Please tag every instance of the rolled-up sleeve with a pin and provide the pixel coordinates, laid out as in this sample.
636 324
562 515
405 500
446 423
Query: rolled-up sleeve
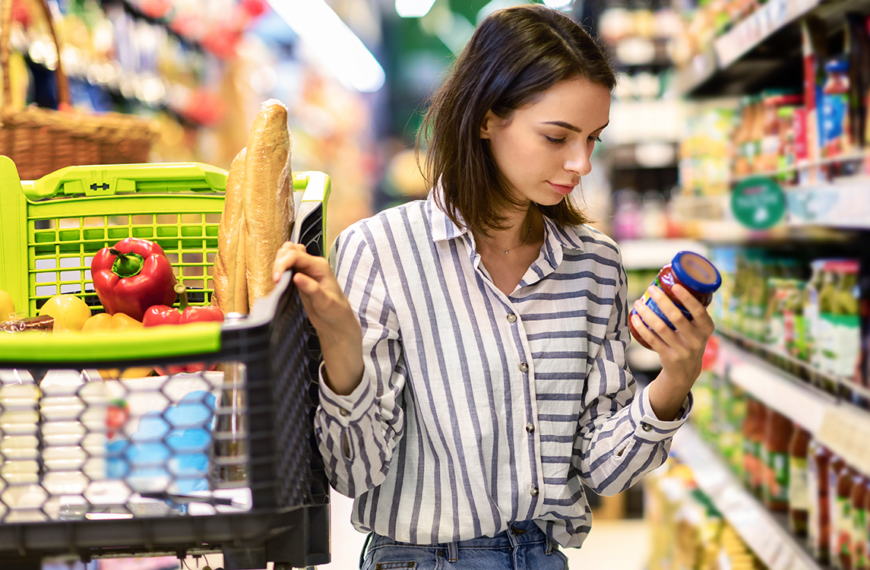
358 432
619 438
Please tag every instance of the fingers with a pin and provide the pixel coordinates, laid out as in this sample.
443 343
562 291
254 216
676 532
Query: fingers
699 313
668 307
293 256
652 339
658 325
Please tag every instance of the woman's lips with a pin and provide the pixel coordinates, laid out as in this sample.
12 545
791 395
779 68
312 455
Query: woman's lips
561 189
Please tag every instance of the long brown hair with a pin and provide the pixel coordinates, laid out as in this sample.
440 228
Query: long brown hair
514 55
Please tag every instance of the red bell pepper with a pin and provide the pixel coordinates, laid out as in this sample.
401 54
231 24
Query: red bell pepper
166 315
133 276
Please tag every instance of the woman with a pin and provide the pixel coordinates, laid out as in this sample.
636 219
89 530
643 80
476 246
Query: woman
474 369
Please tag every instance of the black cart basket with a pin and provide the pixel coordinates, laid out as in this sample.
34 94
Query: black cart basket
180 441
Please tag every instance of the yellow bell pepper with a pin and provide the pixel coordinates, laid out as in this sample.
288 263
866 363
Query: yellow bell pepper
119 322
7 307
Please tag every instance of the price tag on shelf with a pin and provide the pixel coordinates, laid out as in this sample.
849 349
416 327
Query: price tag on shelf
844 430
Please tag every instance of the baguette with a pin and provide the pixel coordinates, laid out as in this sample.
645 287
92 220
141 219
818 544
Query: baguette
230 260
268 196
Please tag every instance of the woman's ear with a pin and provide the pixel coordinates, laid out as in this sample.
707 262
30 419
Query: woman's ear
490 120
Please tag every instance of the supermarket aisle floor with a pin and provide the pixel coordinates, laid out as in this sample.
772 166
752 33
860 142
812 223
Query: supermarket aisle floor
612 544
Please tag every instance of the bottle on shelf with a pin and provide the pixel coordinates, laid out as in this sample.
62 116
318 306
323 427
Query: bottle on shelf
819 511
811 311
826 338
846 327
841 513
775 465
858 553
863 532
798 482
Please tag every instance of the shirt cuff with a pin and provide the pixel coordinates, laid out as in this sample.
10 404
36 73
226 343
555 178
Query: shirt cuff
346 409
648 427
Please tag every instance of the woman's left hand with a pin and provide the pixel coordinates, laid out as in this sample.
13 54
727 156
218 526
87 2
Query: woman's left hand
680 350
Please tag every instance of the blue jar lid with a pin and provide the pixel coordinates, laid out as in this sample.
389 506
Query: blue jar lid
837 66
696 272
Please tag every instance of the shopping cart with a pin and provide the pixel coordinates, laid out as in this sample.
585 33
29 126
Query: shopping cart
103 457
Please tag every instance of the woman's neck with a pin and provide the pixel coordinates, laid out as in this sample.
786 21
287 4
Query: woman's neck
520 226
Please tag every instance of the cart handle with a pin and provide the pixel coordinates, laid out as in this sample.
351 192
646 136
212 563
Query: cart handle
158 343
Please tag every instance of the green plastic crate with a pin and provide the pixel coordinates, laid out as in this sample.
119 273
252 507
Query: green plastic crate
51 228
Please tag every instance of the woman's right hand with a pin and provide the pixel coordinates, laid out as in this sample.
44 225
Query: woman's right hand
329 311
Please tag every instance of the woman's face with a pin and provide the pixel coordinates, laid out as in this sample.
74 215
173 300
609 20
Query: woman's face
543 149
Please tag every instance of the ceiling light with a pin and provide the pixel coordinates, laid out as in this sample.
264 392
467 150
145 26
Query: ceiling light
558 3
331 41
413 8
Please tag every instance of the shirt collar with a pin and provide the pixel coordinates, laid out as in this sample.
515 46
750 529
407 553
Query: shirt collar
442 226
556 238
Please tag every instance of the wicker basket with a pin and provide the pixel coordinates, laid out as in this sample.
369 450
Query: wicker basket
41 141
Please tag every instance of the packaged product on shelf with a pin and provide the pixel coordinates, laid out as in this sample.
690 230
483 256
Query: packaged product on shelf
774 464
775 128
798 482
858 552
819 511
748 136
794 322
753 446
814 49
863 533
846 325
725 259
836 131
811 312
786 158
858 48
840 489
775 314
826 337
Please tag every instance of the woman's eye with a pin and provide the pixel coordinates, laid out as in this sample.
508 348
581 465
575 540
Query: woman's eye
554 140
595 139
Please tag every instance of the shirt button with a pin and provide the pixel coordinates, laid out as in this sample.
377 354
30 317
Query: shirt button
533 491
530 427
344 412
645 426
524 367
512 318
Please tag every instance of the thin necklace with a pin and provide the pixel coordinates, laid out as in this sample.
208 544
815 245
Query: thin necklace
507 251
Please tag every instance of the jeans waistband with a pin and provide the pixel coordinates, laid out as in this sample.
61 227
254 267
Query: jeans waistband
518 533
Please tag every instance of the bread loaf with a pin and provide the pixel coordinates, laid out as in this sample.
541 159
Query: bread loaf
230 261
268 205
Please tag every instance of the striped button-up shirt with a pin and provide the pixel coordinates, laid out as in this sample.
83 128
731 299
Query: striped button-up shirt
478 409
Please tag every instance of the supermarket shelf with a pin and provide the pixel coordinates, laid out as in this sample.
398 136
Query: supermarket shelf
806 165
655 253
820 212
762 51
834 421
762 531
844 203
699 71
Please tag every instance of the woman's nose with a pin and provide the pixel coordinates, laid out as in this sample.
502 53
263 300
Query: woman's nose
579 164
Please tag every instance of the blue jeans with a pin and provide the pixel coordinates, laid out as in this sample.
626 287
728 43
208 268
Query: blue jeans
522 547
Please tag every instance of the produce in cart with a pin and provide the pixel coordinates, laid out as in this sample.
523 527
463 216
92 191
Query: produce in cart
163 315
7 307
70 313
132 276
117 323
